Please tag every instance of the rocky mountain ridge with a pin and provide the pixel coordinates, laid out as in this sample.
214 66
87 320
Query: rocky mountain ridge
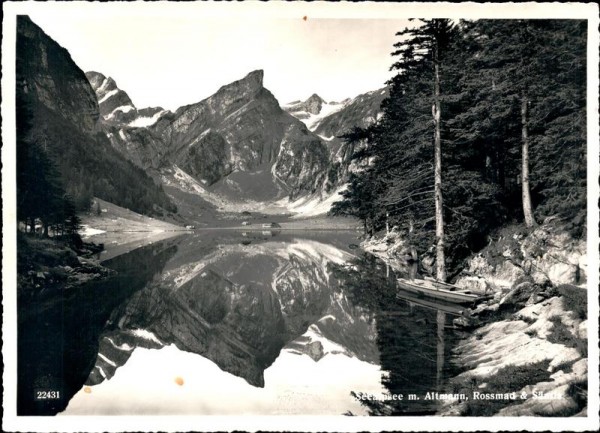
240 129
238 144
332 119
116 108
360 111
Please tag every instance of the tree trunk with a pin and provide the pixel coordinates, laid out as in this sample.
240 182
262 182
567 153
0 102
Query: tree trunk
387 223
440 348
440 261
414 255
527 210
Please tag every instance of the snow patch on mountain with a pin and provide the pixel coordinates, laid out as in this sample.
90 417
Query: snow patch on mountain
312 120
317 252
146 335
105 359
200 137
123 108
126 347
144 121
103 86
322 137
326 110
102 373
108 95
314 205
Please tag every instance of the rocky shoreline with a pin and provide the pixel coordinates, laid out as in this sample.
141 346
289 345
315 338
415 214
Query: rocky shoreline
49 270
528 342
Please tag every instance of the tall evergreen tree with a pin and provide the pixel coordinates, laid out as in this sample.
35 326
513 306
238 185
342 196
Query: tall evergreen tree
558 121
39 188
475 122
527 74
427 46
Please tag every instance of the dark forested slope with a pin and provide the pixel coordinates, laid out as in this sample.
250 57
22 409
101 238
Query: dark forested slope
57 111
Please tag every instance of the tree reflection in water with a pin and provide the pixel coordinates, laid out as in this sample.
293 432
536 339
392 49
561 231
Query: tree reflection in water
413 340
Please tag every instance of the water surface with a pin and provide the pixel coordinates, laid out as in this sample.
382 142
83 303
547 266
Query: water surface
226 322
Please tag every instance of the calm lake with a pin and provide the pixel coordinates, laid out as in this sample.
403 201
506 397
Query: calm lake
226 322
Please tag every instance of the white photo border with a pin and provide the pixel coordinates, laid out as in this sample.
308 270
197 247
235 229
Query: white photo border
363 10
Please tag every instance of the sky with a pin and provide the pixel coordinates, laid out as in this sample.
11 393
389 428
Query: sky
171 54
174 60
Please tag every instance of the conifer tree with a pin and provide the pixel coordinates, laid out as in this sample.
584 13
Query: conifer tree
485 135
527 75
40 193
426 46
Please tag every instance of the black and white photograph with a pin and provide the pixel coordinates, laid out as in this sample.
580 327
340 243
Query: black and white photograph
299 215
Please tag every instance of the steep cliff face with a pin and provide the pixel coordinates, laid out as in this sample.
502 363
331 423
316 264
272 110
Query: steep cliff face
48 77
62 112
239 143
302 162
243 115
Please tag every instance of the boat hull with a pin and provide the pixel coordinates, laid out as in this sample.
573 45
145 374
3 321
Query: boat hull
452 308
428 289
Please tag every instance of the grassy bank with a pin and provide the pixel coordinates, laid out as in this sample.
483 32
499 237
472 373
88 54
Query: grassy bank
108 217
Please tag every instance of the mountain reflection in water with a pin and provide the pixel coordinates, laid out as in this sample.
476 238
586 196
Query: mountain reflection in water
288 324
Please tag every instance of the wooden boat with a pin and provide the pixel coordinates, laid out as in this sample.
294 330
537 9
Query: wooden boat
451 308
437 289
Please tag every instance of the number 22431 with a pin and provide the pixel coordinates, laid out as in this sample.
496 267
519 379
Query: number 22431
47 395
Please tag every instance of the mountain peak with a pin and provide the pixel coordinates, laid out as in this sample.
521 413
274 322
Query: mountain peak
94 76
246 87
114 104
314 98
313 104
256 75
303 109
254 79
